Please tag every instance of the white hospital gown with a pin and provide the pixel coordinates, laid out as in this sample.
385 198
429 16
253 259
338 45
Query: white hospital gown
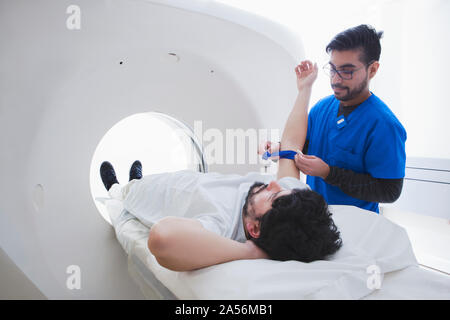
215 199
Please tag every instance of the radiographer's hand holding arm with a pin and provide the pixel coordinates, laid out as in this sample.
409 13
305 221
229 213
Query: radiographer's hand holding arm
312 166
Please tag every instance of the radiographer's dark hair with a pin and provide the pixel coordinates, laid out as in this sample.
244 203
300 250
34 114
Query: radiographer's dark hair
299 227
363 37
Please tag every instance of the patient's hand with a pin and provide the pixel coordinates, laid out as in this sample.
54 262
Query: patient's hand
254 251
306 74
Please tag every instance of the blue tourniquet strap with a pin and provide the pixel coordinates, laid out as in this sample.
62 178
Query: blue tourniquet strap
285 154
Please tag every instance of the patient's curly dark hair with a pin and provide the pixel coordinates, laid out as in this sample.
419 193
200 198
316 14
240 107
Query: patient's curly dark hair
299 227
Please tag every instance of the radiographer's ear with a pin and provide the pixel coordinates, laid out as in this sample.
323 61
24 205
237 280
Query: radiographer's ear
253 229
373 69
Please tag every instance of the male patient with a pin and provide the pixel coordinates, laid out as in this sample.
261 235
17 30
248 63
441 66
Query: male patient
202 219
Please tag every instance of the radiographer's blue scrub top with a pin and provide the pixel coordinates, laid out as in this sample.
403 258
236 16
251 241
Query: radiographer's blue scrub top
369 140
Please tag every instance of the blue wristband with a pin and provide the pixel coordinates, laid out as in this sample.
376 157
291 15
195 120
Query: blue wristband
285 154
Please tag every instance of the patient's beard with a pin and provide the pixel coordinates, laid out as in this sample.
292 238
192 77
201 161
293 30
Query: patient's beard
249 197
248 200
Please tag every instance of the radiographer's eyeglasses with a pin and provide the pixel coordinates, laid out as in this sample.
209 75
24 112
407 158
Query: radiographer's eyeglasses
331 71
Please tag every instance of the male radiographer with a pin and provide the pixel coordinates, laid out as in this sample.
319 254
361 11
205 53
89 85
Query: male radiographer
354 152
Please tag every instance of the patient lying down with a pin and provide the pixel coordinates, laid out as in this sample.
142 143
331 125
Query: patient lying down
202 219
191 226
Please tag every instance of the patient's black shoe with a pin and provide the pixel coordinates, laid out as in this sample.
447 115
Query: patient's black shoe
108 175
136 170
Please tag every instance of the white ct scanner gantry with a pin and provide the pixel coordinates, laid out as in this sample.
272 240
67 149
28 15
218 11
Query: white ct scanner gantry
71 70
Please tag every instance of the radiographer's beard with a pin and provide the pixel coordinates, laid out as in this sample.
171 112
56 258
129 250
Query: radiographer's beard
351 94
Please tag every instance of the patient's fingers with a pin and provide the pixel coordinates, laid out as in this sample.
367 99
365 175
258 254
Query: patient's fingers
303 66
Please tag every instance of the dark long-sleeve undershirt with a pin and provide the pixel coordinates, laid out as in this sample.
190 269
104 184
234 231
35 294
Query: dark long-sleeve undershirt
362 185
365 187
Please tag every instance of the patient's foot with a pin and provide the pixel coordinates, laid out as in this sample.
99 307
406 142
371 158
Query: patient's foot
136 170
108 175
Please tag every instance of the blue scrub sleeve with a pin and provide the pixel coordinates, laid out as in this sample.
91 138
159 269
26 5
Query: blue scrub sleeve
385 157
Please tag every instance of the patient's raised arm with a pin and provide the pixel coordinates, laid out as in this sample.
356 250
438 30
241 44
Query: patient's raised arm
294 133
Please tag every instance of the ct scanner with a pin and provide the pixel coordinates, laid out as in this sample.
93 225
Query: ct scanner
62 89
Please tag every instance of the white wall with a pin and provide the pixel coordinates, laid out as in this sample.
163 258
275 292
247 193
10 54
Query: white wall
422 69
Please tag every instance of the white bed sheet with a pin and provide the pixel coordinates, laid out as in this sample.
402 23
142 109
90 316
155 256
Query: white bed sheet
368 240
413 283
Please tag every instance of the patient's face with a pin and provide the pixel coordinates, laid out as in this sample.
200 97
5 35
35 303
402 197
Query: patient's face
260 201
